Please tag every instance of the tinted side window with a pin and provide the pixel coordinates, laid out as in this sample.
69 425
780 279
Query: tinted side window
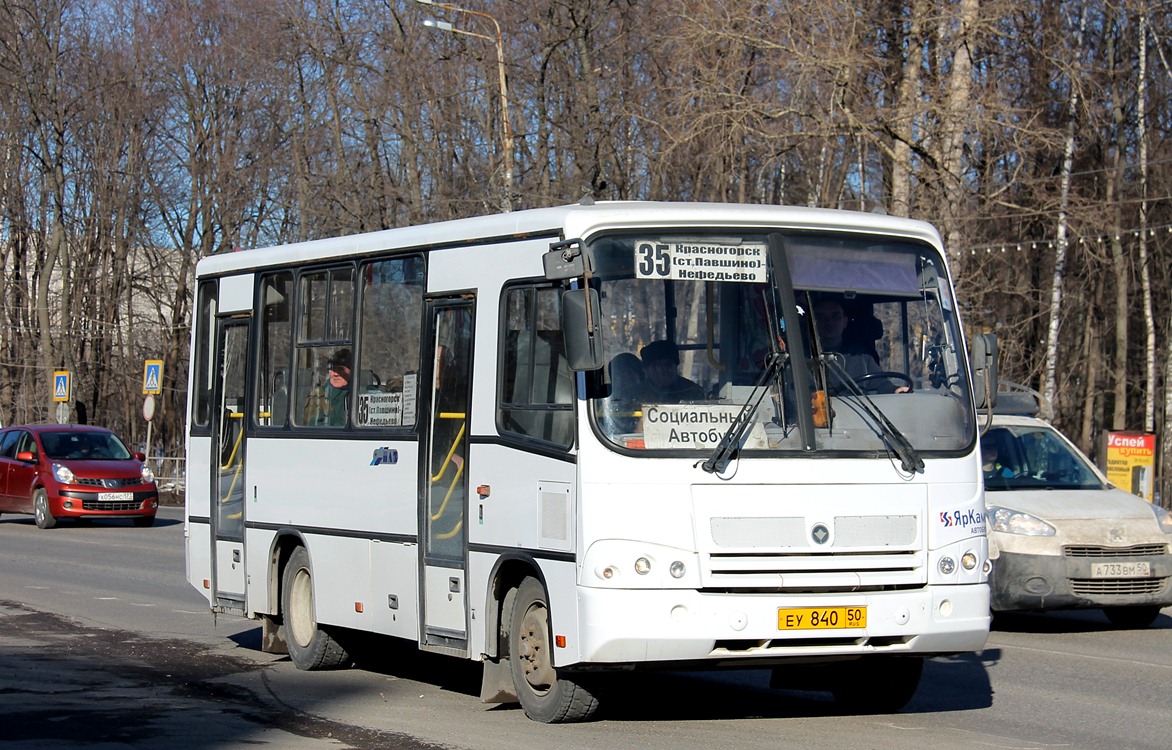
536 384
8 441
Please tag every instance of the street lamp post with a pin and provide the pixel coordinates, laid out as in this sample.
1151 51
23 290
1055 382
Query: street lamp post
498 42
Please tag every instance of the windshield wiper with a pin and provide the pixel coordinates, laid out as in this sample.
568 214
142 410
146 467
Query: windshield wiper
731 442
909 458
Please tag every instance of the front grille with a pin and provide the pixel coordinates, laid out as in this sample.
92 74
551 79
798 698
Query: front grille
1139 550
1117 586
109 505
862 553
110 484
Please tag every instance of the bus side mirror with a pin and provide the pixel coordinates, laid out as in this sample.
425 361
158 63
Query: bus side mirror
580 326
983 363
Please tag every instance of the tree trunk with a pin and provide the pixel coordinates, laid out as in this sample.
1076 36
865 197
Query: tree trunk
1051 367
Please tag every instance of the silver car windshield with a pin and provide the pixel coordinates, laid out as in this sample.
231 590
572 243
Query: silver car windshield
1033 457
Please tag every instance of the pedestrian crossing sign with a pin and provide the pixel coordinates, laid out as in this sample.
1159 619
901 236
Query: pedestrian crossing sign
61 386
152 377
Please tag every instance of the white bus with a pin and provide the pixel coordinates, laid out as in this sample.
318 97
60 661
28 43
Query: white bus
578 441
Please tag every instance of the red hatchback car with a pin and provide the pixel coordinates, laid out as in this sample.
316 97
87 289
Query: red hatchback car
74 471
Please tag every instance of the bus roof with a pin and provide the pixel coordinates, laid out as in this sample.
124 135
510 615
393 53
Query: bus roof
575 220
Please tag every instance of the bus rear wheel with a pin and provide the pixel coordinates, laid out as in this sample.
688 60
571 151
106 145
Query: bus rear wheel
547 695
310 647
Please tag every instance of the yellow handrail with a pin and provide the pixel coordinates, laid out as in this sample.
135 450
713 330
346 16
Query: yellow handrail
452 451
224 499
449 459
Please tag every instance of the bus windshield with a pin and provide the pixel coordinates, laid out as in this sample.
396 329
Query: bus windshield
690 322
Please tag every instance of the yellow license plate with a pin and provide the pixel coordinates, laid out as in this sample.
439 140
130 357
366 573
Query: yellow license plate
821 618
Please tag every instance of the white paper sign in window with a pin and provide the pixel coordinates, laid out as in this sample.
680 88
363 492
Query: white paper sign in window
701 261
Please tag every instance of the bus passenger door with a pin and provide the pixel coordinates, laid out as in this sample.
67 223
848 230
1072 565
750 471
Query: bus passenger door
228 467
444 475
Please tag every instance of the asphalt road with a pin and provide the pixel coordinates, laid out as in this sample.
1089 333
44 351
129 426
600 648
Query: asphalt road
104 645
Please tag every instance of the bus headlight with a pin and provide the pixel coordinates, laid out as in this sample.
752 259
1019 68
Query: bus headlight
607 573
621 563
968 560
947 565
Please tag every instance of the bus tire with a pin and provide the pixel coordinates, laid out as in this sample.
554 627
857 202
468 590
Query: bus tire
878 684
547 695
311 647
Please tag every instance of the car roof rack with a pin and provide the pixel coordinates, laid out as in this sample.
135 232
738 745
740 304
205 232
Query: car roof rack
1020 400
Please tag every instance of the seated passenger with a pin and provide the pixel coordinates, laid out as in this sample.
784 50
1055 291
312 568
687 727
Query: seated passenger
338 390
665 385
627 386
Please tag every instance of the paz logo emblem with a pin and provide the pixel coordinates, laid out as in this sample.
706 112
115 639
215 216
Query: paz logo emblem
820 534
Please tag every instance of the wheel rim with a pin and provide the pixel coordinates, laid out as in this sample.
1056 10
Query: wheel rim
299 618
41 511
533 651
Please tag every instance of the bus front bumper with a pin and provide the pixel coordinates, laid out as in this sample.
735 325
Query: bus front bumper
635 626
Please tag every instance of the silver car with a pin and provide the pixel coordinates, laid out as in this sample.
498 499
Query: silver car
1062 537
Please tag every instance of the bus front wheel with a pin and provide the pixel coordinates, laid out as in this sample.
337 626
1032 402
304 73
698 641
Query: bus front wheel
547 694
310 647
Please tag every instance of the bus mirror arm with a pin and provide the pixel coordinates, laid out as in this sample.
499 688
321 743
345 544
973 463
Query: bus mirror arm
565 260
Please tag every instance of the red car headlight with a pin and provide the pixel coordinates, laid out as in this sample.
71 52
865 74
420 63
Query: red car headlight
63 474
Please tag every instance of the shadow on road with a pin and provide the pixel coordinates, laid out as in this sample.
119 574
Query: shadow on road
958 683
1065 621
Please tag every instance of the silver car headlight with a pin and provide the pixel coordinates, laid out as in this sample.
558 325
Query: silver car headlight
1164 518
1010 521
148 476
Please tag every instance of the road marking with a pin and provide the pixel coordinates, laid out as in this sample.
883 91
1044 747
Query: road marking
1057 652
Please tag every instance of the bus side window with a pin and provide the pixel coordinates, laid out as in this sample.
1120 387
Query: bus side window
391 314
205 354
276 346
537 387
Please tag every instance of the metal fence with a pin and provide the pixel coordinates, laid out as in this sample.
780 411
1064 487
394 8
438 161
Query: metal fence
170 474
